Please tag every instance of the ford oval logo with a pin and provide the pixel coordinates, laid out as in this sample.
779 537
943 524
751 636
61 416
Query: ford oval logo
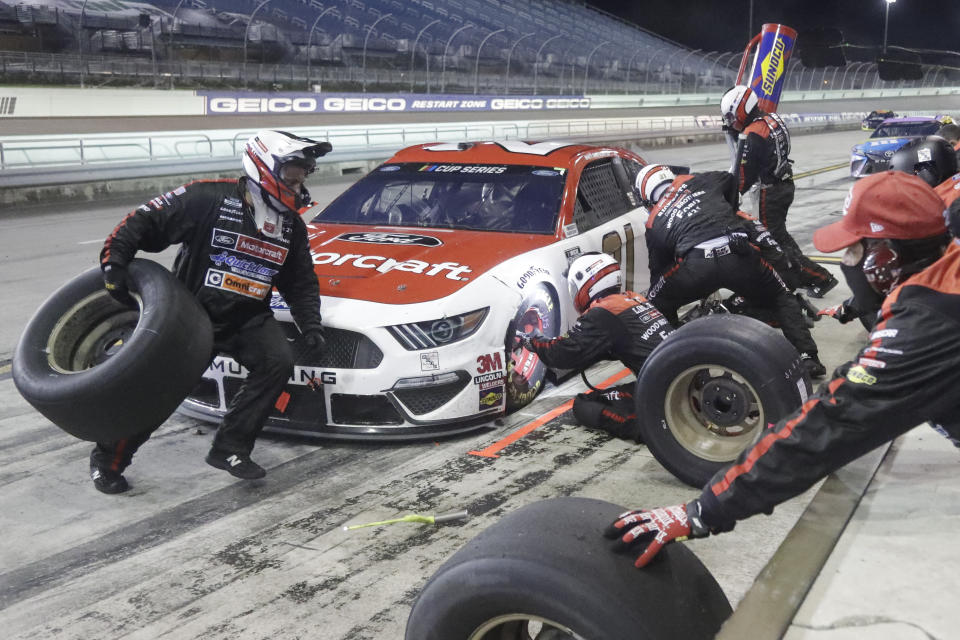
373 237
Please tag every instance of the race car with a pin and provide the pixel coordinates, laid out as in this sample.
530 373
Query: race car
427 267
873 155
874 118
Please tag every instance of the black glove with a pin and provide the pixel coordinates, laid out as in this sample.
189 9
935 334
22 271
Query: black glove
739 242
314 339
523 340
115 281
840 312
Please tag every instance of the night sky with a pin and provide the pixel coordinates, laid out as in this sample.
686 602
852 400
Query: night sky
722 25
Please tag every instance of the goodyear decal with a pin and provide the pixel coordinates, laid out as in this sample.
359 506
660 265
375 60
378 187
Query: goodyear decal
859 375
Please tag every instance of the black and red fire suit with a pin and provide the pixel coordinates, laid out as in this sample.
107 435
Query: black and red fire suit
909 372
619 326
697 244
231 268
763 157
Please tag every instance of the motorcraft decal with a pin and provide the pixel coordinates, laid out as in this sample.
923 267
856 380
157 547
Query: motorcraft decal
244 267
451 270
250 246
230 282
374 237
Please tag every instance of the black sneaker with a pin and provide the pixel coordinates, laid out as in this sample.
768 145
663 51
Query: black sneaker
813 365
236 464
820 290
107 481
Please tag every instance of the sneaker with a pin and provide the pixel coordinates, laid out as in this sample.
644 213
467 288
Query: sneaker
813 365
107 481
236 464
820 290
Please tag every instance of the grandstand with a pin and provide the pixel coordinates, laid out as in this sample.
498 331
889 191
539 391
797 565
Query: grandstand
448 46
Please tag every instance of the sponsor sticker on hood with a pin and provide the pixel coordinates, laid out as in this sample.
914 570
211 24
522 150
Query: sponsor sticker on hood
382 237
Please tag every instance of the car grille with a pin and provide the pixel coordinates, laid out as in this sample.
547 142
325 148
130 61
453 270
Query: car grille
353 409
419 401
206 392
344 349
301 403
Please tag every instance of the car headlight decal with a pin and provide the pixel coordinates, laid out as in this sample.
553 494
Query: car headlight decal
415 336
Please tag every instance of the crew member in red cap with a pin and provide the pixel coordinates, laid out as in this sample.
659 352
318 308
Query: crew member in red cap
908 372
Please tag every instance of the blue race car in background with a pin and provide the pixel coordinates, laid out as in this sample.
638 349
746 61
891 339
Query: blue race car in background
874 118
873 155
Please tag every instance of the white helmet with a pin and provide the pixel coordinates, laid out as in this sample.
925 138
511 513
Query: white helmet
591 275
737 105
265 155
651 182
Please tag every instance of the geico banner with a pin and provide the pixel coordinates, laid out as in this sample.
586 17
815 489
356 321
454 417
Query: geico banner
220 102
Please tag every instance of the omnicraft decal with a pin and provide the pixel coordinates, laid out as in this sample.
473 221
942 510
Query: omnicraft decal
225 103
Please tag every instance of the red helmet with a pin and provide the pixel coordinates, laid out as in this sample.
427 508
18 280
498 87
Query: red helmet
264 158
882 265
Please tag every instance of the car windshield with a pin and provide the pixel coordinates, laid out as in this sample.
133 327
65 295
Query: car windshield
458 196
900 129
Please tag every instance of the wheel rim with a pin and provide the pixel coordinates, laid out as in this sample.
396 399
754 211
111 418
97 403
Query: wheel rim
90 332
522 626
713 412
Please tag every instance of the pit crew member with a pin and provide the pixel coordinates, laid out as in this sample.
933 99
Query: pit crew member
613 325
907 373
238 239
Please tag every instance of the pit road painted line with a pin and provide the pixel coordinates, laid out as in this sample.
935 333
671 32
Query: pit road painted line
813 172
491 451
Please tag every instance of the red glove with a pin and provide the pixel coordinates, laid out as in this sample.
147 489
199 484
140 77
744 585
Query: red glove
656 528
841 312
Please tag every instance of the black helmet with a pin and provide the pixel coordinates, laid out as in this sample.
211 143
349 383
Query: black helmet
931 158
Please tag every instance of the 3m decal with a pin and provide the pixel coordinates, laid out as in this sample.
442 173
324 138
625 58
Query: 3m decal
489 362
859 375
373 237
383 265
230 282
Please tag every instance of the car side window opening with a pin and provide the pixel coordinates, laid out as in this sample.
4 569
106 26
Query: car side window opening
599 196
896 129
509 198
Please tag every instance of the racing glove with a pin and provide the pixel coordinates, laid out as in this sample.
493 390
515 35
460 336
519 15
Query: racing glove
841 312
314 339
524 340
650 530
115 281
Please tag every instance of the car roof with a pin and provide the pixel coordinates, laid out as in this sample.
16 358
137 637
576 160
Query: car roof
909 119
513 152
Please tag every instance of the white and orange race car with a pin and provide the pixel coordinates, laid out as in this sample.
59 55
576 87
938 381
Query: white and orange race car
427 266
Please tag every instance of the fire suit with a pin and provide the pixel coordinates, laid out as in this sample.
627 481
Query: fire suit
762 159
907 373
231 268
619 326
697 244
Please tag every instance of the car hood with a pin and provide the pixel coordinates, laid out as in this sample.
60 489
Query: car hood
880 145
407 265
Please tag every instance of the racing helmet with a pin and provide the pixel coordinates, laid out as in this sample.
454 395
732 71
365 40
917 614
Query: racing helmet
266 159
591 276
931 158
651 180
882 264
737 106
952 216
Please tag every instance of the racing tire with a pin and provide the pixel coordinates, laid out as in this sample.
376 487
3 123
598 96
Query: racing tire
546 571
102 371
708 391
526 373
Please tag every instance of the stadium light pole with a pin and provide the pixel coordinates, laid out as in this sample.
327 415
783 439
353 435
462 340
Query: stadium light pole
246 34
536 61
476 66
586 69
886 21
173 24
506 82
443 66
363 80
413 52
83 8
626 88
310 39
646 78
